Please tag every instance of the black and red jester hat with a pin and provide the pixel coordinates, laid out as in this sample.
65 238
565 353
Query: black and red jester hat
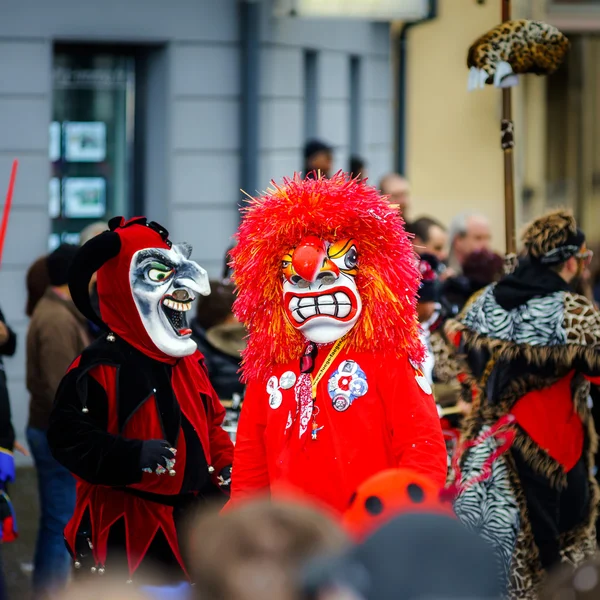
109 255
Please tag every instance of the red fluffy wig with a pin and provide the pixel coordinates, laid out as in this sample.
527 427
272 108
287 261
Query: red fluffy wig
331 209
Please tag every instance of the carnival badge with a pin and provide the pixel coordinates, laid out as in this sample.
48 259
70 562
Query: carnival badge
347 383
420 378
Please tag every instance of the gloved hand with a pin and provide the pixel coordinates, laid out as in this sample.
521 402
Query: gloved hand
224 477
155 452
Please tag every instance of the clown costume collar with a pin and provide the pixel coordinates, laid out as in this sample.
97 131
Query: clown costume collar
146 286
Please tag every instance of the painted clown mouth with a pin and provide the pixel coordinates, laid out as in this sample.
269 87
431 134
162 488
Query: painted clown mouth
338 303
176 307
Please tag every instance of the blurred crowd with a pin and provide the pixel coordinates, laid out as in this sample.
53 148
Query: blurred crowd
402 540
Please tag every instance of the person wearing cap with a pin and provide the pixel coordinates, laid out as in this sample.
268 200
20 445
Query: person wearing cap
532 351
57 334
318 158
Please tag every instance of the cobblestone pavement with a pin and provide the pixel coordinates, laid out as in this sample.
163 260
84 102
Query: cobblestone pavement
18 555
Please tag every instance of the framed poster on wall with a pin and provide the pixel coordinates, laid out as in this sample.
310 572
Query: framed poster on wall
84 197
85 141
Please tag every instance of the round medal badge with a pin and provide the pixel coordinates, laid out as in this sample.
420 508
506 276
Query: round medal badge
341 403
358 387
423 384
275 399
287 380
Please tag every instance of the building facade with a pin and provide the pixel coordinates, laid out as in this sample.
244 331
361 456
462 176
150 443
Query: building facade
168 109
452 137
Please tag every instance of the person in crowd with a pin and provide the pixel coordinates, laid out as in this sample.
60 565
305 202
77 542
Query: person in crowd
414 556
220 338
469 232
135 418
57 334
87 234
479 269
330 352
358 167
532 347
253 552
397 189
430 237
91 231
8 444
429 308
37 281
318 158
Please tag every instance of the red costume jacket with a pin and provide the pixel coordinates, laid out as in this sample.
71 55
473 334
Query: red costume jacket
394 424
121 392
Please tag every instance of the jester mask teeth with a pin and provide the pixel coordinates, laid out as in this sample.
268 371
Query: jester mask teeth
175 308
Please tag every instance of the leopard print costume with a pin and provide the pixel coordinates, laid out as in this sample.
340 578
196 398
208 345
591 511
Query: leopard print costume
561 327
581 321
527 46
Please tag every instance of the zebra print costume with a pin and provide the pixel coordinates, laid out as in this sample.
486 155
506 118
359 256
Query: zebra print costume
559 327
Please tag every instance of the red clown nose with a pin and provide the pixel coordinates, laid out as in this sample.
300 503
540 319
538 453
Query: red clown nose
308 257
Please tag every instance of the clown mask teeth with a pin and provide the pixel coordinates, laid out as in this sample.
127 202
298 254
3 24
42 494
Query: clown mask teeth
336 305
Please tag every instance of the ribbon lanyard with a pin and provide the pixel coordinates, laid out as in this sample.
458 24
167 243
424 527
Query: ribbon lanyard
325 366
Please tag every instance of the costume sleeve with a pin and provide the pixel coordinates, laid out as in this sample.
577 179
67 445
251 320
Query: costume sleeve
221 448
80 441
10 346
250 475
416 429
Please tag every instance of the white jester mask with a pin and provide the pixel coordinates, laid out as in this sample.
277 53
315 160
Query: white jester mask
164 283
320 296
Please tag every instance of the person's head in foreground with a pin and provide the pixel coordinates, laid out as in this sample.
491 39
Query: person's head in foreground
253 551
555 242
418 556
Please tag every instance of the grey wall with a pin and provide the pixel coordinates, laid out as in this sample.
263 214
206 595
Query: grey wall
193 143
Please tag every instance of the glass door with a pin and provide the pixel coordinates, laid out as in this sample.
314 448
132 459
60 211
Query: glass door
91 139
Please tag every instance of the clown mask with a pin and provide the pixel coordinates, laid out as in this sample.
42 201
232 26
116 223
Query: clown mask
320 296
164 284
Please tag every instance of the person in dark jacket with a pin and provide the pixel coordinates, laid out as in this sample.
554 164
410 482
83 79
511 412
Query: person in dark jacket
8 526
481 268
220 338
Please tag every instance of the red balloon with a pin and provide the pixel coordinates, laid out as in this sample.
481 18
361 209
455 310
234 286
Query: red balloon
388 494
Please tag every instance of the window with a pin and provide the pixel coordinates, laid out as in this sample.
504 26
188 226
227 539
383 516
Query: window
91 138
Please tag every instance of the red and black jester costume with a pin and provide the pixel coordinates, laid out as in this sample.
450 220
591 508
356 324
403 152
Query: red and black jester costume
120 393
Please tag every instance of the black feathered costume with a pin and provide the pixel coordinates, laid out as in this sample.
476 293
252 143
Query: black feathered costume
141 382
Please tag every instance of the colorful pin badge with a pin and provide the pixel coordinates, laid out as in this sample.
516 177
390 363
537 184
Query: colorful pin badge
346 384
275 397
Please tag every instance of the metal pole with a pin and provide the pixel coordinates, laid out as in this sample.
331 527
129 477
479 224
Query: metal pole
508 143
250 93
